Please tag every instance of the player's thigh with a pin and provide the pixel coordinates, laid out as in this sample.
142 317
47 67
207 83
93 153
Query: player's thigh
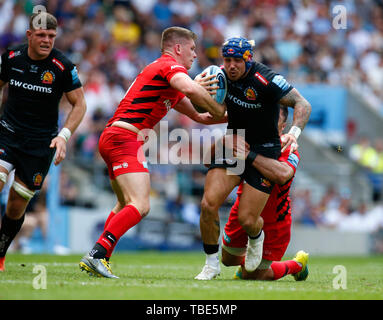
218 186
135 188
252 202
122 201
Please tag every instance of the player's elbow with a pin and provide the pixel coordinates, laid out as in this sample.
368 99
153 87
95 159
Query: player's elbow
283 177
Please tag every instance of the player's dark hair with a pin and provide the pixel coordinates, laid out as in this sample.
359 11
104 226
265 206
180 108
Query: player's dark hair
42 20
285 112
172 34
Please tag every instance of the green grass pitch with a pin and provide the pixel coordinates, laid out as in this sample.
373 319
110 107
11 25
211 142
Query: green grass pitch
151 275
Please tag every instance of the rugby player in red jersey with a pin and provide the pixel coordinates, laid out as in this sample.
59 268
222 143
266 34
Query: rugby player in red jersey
276 217
162 85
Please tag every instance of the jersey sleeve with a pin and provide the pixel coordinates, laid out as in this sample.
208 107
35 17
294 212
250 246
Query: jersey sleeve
292 159
170 69
277 85
71 79
4 67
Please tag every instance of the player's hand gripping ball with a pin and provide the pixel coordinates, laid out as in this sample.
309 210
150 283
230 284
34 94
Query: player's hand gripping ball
214 77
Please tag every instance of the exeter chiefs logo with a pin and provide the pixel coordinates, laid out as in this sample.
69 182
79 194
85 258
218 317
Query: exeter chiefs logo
250 94
48 77
265 183
37 179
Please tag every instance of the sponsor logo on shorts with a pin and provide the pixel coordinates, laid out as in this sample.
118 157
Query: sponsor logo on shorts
120 166
37 179
167 104
265 183
226 237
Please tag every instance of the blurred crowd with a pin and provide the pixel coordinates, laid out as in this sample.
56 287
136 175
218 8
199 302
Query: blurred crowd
336 210
110 41
368 154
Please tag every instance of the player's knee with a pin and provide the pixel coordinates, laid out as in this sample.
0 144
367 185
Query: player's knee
143 209
246 221
208 206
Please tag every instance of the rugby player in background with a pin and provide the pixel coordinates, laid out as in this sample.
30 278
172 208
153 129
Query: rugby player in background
38 75
161 86
253 98
276 217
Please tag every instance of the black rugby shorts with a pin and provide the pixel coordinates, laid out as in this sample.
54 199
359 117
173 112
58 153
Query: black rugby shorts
31 158
246 171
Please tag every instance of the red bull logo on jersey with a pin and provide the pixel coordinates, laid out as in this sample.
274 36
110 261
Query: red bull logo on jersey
48 77
251 94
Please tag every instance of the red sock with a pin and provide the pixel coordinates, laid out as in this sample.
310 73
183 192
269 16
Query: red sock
111 215
121 222
283 268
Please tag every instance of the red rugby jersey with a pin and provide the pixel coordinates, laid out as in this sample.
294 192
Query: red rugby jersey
278 204
150 96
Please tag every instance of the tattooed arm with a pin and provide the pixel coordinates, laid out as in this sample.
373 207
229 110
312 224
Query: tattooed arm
302 111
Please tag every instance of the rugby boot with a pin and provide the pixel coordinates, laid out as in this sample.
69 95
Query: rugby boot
96 267
302 258
209 272
238 273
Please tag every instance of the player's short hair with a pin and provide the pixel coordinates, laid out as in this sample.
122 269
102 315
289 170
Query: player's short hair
285 112
173 34
42 20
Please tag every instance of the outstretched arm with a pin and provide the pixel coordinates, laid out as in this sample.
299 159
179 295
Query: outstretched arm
197 94
186 107
302 111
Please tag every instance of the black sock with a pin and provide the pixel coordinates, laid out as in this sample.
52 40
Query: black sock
98 251
8 231
256 237
210 248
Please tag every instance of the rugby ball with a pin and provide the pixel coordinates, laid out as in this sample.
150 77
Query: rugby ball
222 83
